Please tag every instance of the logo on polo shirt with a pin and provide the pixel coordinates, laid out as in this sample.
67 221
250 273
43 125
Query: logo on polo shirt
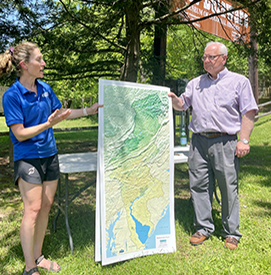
46 94
31 170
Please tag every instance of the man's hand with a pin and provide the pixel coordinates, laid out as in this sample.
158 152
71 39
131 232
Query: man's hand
247 124
177 102
242 149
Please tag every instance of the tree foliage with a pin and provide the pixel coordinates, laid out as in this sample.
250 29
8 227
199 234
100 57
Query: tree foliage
85 40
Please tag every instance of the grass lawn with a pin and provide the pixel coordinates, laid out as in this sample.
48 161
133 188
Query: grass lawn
253 255
68 123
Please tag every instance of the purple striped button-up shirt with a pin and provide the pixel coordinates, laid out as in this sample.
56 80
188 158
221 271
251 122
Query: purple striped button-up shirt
218 104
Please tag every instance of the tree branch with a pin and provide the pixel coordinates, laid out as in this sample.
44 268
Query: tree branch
76 77
91 29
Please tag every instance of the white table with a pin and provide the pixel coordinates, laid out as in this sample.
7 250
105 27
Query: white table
73 163
77 162
181 154
86 162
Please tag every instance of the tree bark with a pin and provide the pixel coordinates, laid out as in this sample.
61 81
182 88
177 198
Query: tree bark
253 66
129 69
160 47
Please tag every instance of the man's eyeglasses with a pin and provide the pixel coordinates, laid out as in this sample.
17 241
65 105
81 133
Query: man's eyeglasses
210 57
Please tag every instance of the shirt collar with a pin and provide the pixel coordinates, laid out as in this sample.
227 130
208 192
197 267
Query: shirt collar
22 88
220 74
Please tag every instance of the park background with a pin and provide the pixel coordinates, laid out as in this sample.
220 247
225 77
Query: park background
83 41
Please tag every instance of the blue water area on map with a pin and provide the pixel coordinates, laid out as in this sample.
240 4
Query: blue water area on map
141 230
111 243
162 228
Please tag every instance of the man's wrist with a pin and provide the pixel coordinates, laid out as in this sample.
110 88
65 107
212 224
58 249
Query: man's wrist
245 141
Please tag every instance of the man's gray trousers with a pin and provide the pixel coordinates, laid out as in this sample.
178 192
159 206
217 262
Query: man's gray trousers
210 159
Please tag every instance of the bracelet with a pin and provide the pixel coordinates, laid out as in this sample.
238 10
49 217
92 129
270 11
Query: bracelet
85 111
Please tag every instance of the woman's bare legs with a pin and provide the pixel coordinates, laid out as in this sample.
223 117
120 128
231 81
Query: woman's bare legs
48 193
37 199
31 195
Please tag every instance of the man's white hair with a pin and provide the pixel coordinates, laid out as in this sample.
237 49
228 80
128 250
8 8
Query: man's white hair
223 49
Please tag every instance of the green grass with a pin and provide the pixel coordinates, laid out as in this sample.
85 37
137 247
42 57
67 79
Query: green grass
253 255
3 126
68 123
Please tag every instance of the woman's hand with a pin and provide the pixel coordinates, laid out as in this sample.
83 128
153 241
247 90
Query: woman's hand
94 108
58 116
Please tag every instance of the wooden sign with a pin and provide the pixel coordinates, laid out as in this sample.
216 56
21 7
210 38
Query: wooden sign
232 25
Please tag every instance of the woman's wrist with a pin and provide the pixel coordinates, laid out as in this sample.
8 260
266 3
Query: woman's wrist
85 111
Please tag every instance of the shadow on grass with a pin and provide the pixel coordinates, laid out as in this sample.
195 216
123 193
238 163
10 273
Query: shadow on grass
184 212
82 226
10 241
10 198
76 141
266 208
183 205
81 213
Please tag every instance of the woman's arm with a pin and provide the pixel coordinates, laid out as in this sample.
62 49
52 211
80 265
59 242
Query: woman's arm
80 112
22 133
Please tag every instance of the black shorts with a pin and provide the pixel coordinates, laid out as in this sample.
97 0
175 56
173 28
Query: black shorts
37 170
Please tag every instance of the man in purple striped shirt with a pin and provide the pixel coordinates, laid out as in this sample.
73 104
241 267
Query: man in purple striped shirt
223 106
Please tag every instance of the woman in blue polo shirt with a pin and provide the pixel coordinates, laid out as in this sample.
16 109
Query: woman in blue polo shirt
31 110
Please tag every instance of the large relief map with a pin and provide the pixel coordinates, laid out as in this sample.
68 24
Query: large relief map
135 172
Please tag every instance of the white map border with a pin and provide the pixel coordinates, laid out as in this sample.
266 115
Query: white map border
100 232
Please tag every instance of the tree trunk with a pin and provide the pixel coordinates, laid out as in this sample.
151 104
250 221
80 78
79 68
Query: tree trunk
132 55
160 46
253 66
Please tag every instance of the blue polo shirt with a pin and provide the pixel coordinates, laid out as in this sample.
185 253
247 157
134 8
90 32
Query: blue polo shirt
23 106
